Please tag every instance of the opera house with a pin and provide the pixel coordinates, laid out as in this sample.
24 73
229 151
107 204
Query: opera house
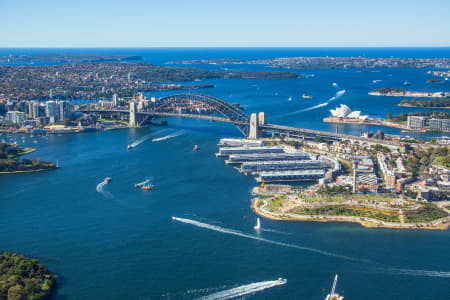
345 112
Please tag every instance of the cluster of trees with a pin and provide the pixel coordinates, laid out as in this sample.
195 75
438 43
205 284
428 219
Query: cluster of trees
335 190
422 159
9 161
22 278
426 103
345 211
427 213
387 90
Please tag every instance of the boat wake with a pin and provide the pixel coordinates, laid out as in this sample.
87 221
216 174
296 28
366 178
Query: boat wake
336 96
244 290
419 273
172 135
275 231
253 237
141 140
100 189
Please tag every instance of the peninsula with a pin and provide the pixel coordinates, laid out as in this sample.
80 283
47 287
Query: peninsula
325 62
22 278
396 92
11 163
102 80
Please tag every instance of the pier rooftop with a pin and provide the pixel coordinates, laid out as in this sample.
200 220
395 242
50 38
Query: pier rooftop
227 142
225 151
259 166
241 158
299 175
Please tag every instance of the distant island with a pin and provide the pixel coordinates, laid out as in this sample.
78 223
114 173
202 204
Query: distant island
67 58
102 80
11 163
423 103
22 278
359 62
396 92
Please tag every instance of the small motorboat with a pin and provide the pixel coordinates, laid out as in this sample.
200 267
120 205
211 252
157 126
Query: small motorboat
147 187
129 147
107 180
195 148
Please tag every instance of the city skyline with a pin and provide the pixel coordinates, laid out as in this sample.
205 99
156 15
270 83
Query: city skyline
200 23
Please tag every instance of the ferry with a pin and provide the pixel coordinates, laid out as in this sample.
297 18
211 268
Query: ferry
107 180
333 295
147 187
304 96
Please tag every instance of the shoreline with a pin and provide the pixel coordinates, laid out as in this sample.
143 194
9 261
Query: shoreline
442 224
373 122
29 171
432 107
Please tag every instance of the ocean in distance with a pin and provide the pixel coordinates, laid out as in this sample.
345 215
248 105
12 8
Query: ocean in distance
121 243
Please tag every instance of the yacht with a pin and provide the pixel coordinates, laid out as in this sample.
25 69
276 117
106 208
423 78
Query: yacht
333 295
258 225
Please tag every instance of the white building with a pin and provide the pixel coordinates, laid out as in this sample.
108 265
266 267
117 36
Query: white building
345 112
65 110
416 122
51 111
15 117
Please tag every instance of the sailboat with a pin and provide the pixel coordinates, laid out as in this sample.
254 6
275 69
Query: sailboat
333 295
258 224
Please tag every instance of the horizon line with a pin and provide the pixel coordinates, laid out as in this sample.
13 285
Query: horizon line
183 47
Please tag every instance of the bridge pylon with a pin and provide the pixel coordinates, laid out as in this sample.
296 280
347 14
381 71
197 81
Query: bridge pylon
132 119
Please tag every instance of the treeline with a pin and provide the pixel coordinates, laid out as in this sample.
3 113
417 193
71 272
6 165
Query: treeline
426 103
9 161
22 278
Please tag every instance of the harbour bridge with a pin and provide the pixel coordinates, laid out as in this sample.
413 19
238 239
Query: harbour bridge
204 107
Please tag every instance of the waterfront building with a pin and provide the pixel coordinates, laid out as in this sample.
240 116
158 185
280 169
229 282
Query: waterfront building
442 125
416 122
15 117
228 142
225 151
345 112
65 110
241 158
260 166
51 111
298 175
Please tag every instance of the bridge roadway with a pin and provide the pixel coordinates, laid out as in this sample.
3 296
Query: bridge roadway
280 129
293 131
166 114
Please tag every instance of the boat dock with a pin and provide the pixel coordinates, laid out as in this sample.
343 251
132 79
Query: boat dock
298 175
226 151
288 165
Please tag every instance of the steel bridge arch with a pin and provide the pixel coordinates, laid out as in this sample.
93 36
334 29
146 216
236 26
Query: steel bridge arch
229 111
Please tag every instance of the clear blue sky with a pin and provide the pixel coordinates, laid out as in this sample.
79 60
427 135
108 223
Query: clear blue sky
276 23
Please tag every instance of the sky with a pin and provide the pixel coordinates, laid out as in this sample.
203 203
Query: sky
224 23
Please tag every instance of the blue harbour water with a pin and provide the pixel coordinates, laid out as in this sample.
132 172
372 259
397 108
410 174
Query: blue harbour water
121 243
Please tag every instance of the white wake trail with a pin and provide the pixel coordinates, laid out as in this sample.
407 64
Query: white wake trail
172 135
249 236
100 189
244 290
419 273
336 96
141 140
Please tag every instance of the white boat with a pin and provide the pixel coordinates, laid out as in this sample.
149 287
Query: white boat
333 295
290 98
258 224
